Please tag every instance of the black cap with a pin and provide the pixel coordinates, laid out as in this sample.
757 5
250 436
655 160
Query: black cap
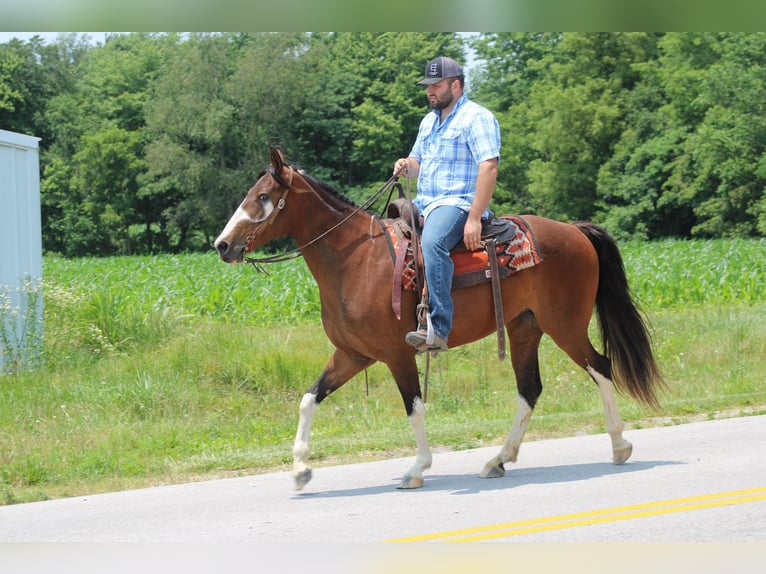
440 68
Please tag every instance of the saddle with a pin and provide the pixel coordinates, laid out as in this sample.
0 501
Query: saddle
509 243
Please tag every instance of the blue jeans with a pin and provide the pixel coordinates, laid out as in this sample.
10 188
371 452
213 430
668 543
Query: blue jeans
443 229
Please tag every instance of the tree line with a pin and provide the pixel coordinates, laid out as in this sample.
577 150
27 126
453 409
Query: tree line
150 140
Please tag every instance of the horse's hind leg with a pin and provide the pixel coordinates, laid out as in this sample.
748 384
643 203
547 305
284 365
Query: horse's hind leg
340 369
621 448
525 335
600 370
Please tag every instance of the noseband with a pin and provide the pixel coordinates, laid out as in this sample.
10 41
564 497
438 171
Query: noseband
295 253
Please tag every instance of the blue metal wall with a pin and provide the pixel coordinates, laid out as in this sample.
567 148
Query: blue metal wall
20 234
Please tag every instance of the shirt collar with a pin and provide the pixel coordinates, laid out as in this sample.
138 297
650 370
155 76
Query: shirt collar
460 101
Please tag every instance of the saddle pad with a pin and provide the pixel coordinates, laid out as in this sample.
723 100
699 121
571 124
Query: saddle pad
520 252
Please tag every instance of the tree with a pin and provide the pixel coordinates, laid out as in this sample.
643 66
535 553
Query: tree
366 109
576 115
98 129
150 140
511 64
728 148
690 159
31 73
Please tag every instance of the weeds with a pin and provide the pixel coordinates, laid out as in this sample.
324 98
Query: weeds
167 369
21 340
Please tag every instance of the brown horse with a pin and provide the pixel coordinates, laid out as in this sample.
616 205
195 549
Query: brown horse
347 252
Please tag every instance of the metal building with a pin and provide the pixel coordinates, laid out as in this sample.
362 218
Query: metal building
21 259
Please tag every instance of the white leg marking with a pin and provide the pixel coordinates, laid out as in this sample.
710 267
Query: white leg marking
621 448
301 450
423 459
510 450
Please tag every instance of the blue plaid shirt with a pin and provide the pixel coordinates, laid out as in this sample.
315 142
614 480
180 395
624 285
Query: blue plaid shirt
449 155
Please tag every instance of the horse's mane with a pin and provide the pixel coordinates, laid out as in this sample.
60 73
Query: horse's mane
328 188
336 196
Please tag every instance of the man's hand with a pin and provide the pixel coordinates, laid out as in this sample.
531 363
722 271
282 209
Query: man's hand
472 233
407 167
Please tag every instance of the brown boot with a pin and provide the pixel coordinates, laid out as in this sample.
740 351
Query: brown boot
417 339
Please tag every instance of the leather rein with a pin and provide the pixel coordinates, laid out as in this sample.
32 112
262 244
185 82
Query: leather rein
297 251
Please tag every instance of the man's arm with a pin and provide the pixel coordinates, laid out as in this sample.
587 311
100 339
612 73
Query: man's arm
485 186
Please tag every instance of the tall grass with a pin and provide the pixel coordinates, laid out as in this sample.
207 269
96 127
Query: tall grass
672 274
20 326
166 369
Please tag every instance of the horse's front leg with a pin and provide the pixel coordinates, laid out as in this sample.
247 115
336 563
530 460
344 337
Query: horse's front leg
414 476
405 372
338 371
301 450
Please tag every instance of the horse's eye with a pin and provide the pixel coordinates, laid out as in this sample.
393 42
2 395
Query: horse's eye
264 197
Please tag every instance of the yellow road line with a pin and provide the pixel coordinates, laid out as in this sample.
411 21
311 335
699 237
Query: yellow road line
587 518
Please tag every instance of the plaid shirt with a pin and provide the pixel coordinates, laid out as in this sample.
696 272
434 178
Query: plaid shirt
449 155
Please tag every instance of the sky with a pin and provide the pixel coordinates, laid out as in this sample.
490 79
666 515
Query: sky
47 36
99 37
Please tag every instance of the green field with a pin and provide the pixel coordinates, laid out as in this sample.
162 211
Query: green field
165 369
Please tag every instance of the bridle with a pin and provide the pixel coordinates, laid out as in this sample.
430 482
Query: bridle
297 251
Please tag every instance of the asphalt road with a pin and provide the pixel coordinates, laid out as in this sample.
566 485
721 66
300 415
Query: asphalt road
692 483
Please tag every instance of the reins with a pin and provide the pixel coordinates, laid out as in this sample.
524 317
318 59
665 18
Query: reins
296 252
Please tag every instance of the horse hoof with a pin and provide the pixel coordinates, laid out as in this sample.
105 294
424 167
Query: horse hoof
302 478
621 454
493 471
410 483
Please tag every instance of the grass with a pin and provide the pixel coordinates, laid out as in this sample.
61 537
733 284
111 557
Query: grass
167 369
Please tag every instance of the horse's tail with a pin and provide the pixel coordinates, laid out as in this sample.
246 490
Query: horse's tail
624 334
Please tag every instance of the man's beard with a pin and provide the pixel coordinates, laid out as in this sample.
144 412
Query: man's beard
440 103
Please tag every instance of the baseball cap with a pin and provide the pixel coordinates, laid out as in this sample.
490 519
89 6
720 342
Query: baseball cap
440 68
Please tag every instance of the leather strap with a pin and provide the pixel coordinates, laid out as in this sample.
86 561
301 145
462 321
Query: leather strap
396 289
497 296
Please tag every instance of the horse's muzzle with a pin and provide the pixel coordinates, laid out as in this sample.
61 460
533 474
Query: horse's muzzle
230 253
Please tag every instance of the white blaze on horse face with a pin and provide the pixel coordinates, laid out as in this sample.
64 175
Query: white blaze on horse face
241 215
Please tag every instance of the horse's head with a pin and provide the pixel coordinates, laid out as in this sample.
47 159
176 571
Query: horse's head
249 227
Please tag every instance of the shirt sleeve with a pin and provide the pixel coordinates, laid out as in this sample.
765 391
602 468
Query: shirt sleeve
484 136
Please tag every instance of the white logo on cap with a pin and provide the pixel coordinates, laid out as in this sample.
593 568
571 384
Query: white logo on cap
434 69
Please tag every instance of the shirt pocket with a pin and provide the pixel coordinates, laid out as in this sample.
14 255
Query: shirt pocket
450 143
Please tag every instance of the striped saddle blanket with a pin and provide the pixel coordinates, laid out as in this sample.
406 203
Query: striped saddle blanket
516 249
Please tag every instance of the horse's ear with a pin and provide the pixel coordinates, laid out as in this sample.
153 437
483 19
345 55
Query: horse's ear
276 158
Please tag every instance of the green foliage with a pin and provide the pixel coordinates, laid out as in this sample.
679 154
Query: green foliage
688 163
149 141
21 321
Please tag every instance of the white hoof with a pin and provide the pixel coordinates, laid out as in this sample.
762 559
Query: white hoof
622 452
410 483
